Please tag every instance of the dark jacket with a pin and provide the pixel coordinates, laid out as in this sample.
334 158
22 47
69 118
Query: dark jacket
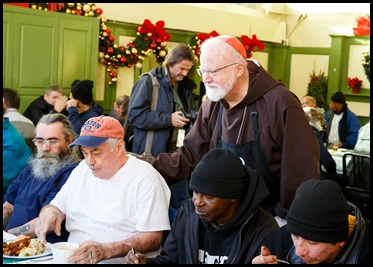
234 242
29 195
289 146
348 127
38 108
143 119
357 250
78 119
326 159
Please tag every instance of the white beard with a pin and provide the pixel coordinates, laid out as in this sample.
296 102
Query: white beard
316 124
215 92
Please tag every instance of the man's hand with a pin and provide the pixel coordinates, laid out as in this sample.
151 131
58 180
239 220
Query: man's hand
72 103
81 255
265 257
50 218
60 104
136 258
177 119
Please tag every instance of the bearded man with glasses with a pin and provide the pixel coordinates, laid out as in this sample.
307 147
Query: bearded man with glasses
253 115
45 174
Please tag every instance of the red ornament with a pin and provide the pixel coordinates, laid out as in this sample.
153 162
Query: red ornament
110 50
52 7
112 74
115 66
108 31
122 48
98 11
153 45
61 6
78 12
111 38
122 59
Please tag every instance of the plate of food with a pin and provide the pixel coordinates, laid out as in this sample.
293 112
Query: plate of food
24 247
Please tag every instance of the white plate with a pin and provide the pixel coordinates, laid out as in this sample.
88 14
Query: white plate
47 252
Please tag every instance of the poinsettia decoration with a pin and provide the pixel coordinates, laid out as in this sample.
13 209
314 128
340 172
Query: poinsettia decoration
250 44
150 38
362 25
354 84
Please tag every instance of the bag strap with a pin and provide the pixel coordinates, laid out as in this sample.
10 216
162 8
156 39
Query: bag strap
153 106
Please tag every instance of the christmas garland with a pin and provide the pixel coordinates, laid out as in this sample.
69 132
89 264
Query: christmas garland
366 63
251 44
150 38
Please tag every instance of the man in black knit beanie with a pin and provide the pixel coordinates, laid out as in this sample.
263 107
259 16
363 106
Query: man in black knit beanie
322 227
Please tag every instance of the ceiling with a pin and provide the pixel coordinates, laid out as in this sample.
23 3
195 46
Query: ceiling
310 8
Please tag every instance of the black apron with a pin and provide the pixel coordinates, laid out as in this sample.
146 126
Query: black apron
252 155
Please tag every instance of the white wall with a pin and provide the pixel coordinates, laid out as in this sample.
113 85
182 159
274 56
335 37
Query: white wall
200 18
313 31
301 69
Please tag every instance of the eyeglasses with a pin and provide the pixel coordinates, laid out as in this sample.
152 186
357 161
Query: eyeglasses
202 72
50 142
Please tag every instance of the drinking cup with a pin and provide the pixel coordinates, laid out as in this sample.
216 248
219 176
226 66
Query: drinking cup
62 250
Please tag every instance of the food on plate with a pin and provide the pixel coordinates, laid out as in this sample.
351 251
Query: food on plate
23 246
14 247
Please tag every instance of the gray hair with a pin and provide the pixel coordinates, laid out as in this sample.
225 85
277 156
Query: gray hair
52 88
112 142
58 117
123 100
179 53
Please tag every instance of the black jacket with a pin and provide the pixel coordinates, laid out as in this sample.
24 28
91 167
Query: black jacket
38 108
234 242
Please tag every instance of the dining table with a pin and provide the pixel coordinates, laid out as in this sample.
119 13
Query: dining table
338 158
46 258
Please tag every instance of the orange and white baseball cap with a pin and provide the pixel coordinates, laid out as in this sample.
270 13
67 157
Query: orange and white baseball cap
97 130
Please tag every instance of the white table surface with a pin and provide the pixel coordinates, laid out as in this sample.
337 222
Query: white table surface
338 158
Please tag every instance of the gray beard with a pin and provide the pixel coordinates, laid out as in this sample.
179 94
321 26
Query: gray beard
45 165
316 124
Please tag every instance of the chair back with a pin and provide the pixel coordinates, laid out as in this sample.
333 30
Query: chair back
356 170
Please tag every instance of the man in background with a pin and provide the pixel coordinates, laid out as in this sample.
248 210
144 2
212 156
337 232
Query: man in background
81 106
342 124
175 101
310 101
12 102
53 101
